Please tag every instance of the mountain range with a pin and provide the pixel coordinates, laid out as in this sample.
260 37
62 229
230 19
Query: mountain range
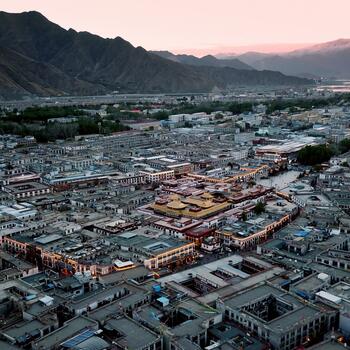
208 60
38 57
328 60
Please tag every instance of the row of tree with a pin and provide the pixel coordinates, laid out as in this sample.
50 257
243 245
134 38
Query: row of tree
62 131
32 114
305 104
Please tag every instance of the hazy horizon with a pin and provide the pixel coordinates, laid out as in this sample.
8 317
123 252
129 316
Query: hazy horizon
240 49
199 28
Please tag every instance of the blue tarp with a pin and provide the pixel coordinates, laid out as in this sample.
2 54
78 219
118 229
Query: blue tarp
157 288
303 294
163 300
301 233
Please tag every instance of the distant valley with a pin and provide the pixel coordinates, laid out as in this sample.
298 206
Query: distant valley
328 60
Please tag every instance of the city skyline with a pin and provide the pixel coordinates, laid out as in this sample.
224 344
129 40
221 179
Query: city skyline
198 27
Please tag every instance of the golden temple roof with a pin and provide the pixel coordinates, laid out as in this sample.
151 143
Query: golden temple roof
176 204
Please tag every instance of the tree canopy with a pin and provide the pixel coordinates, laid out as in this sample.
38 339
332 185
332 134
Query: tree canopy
312 155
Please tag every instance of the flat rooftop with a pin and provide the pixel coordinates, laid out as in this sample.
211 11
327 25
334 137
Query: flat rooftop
68 330
134 336
309 283
25 187
205 271
341 290
23 328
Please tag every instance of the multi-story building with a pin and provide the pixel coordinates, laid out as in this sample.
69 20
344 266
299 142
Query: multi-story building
153 175
154 253
278 317
27 189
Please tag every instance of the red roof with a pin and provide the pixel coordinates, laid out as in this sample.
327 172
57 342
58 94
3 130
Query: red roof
200 232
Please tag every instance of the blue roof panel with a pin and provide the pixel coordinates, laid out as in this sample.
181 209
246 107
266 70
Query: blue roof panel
70 343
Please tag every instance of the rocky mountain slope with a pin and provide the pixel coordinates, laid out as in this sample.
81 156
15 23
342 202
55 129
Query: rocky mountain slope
39 57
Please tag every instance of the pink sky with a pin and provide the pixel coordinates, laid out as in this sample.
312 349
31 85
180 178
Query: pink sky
200 26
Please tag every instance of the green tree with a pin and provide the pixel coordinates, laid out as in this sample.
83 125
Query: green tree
161 115
259 208
312 155
344 146
88 126
238 108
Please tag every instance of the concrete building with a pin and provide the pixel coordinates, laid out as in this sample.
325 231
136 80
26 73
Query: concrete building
278 317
